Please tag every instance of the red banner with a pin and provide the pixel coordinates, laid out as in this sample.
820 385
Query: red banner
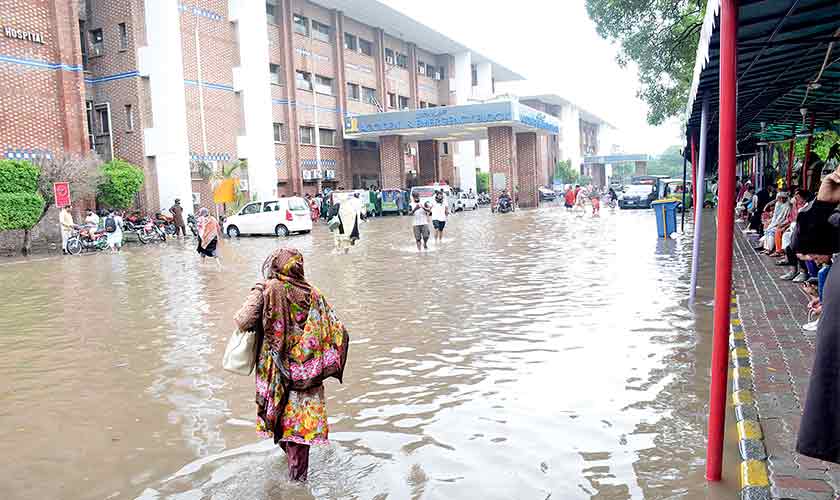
61 190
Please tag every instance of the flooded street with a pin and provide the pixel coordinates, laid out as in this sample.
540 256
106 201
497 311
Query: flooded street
531 356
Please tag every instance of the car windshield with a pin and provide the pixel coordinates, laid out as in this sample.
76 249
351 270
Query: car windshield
297 205
639 190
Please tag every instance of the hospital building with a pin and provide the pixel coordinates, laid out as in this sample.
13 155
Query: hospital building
307 94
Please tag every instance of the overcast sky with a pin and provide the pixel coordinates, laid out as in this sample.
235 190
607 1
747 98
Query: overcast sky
554 45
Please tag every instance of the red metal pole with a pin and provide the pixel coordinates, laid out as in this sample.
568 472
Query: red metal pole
807 154
693 180
791 158
725 227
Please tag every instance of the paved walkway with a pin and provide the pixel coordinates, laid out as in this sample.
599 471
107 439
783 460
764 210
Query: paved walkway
781 353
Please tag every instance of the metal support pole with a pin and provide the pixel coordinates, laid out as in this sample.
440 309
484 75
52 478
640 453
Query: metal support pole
699 196
791 158
685 187
808 144
727 129
694 177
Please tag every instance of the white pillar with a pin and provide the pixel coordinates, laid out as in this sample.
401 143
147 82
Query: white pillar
162 62
701 193
464 157
258 145
463 77
484 87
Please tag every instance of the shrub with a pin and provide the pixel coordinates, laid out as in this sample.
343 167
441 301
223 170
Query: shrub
121 183
18 177
20 210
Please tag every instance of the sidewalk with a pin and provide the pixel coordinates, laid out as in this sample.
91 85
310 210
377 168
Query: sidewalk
780 353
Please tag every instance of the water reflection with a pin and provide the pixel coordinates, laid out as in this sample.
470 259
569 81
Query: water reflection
532 355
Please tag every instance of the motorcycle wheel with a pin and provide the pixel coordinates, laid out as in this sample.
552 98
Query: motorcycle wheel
161 235
74 246
171 229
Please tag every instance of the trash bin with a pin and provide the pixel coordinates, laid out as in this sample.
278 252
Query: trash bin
666 216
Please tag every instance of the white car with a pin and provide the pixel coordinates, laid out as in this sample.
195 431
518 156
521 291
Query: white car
279 217
466 202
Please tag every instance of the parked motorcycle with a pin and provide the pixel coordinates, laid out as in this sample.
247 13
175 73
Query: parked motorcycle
86 238
193 225
167 223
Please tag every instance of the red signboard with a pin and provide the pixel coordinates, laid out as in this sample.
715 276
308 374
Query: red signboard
62 194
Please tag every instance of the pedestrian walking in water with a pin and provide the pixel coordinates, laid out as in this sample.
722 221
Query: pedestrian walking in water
300 343
177 212
440 212
349 215
569 199
113 226
420 222
208 236
65 222
596 203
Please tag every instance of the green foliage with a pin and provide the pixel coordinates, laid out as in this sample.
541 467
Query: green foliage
660 37
564 172
482 182
121 183
669 163
18 177
20 210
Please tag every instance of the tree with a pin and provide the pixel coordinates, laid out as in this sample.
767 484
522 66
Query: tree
120 184
482 182
661 37
669 163
80 171
21 206
564 172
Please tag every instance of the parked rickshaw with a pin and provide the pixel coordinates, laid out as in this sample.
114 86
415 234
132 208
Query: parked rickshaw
394 201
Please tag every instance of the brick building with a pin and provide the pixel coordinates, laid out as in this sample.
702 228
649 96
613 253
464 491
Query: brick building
184 88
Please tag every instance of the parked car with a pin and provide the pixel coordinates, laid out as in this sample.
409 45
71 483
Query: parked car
547 194
279 217
465 202
637 196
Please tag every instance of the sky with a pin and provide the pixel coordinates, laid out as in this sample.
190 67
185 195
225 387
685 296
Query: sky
554 45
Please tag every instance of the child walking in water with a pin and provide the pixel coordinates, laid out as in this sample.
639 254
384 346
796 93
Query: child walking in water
596 204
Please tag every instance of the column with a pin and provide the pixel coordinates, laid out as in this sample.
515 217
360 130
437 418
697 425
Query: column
427 162
502 142
526 166
392 162
293 140
343 171
413 99
641 168
161 60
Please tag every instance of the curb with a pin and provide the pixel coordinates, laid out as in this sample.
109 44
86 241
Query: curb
755 483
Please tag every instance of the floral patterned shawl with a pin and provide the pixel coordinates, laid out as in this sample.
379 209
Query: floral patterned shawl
307 340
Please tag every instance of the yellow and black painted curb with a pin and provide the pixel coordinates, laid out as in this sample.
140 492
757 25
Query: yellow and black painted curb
755 482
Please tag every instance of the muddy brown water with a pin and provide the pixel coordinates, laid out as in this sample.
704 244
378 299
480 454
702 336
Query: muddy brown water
533 355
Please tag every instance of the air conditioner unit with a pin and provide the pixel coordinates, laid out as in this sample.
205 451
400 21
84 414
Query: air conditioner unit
389 60
437 76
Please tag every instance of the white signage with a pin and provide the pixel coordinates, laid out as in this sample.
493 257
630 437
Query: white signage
30 36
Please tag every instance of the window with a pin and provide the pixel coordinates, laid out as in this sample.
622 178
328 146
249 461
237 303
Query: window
129 118
350 41
123 30
403 102
474 71
323 85
278 132
83 43
446 148
441 73
326 136
276 76
365 47
430 71
252 208
301 24
320 31
104 120
368 95
389 57
271 10
421 68
392 100
402 60
423 104
97 42
307 135
271 206
303 80
353 91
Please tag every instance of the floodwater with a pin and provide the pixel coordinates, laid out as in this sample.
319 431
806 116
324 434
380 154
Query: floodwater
532 355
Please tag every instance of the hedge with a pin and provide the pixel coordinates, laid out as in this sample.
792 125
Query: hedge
121 183
18 177
20 210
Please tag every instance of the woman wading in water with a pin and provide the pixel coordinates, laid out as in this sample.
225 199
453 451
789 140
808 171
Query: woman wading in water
301 342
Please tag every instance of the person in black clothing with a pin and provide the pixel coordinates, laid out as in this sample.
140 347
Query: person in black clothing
765 196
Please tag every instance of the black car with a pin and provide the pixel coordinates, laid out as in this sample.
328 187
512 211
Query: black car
637 196
547 194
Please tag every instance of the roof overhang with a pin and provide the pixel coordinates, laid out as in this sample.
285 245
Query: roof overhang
450 123
397 24
613 159
557 100
782 49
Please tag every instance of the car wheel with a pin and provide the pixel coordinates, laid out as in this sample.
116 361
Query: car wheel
233 232
305 232
475 207
281 230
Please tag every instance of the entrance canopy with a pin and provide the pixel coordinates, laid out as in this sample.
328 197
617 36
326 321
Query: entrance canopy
601 160
450 123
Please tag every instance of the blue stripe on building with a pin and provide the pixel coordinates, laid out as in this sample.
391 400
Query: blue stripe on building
39 64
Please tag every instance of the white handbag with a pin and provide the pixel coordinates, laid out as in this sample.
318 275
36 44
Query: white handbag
240 355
